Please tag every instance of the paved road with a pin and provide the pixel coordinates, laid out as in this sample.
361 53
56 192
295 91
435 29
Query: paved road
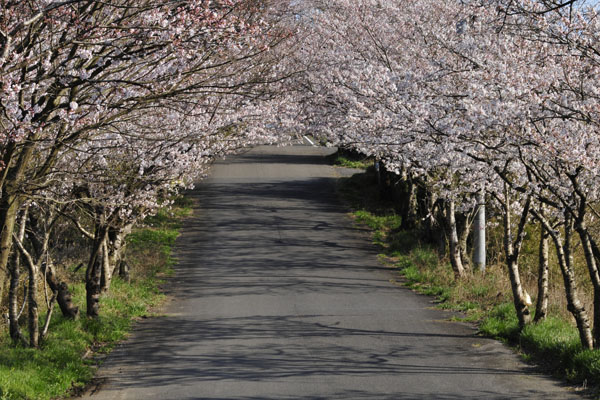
280 297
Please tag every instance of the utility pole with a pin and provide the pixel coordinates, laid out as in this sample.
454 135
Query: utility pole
378 172
479 233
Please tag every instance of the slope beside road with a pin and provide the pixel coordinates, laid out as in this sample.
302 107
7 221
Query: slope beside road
278 296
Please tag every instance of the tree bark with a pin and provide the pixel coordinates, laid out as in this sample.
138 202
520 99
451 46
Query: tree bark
512 251
13 302
112 248
93 291
124 271
32 288
63 294
10 201
93 274
107 269
44 331
541 308
116 246
579 221
565 261
594 276
408 202
434 221
455 257
13 293
33 307
9 207
463 229
575 305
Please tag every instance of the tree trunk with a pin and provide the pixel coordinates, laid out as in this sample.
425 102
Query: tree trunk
107 268
113 249
579 223
408 203
512 250
594 276
13 294
565 261
455 258
93 290
574 304
116 242
433 214
9 207
520 300
63 294
463 230
10 202
93 274
33 307
44 331
13 301
541 308
124 271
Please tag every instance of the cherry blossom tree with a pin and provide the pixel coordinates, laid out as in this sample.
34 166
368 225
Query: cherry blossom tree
72 67
457 94
107 108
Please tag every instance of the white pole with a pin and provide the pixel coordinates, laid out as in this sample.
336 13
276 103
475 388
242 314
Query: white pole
378 171
479 233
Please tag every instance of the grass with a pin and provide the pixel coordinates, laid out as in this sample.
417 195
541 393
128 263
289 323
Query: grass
586 365
350 159
483 298
553 342
348 163
67 358
48 373
153 238
501 323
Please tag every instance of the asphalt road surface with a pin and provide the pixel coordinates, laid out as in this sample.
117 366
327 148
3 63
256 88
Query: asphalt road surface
278 296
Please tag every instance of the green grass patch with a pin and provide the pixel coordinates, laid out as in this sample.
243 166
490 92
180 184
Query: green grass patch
586 366
554 342
343 161
501 323
47 373
65 361
149 238
350 159
412 275
381 225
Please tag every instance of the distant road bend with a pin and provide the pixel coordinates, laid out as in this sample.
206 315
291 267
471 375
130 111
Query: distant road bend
278 296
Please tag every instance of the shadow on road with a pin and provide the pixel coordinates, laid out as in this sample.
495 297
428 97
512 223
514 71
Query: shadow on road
272 356
277 292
